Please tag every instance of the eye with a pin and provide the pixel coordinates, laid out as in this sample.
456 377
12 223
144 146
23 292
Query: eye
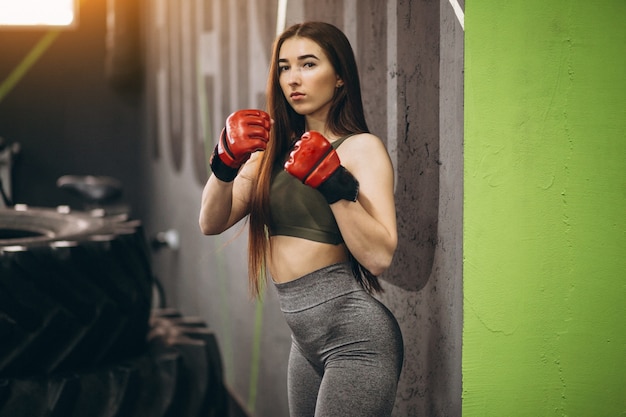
308 64
282 68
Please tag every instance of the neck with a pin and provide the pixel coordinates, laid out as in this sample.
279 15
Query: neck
315 124
319 126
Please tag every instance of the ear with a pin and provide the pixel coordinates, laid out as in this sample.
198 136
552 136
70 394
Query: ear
339 83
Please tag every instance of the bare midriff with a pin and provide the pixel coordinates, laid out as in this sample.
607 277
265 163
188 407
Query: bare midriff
292 257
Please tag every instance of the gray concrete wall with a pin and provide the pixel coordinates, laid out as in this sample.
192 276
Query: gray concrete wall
209 58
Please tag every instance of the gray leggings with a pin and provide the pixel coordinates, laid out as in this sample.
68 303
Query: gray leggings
346 351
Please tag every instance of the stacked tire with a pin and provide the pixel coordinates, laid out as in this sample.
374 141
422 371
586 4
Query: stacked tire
75 291
194 385
76 333
180 375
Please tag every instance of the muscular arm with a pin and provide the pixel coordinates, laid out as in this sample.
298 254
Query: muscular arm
368 225
225 203
226 195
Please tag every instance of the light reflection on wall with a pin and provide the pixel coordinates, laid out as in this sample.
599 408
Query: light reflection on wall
33 13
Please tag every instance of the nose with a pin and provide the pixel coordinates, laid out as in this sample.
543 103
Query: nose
293 77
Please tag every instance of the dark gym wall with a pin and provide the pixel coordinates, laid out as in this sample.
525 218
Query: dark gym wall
65 114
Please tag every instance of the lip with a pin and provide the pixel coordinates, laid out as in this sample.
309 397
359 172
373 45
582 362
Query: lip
296 95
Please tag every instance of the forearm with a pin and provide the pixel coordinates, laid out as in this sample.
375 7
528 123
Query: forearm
227 192
216 206
369 241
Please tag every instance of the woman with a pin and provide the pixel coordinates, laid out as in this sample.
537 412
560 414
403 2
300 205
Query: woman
322 221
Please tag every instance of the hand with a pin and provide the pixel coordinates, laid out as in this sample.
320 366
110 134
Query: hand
314 162
246 132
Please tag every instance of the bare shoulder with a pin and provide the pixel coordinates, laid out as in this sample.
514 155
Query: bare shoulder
364 139
362 146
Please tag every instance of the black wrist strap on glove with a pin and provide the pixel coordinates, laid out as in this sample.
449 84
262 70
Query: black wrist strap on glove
341 185
220 169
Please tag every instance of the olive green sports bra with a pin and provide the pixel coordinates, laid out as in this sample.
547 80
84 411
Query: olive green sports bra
299 210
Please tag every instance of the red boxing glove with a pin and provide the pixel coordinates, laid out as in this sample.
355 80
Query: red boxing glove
314 162
246 131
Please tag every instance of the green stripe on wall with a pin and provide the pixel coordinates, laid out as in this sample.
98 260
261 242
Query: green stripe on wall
29 60
256 355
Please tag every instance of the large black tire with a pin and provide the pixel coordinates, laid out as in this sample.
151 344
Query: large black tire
75 291
179 375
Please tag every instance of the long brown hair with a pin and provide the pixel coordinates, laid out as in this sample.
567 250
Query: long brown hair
345 116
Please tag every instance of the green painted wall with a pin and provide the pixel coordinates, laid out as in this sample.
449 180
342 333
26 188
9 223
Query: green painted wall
545 209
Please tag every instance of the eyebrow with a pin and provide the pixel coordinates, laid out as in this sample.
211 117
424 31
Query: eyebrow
300 58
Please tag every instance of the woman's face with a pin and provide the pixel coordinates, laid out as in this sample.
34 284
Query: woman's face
307 77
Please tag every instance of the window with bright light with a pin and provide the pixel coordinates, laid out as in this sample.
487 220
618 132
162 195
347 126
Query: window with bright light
35 13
